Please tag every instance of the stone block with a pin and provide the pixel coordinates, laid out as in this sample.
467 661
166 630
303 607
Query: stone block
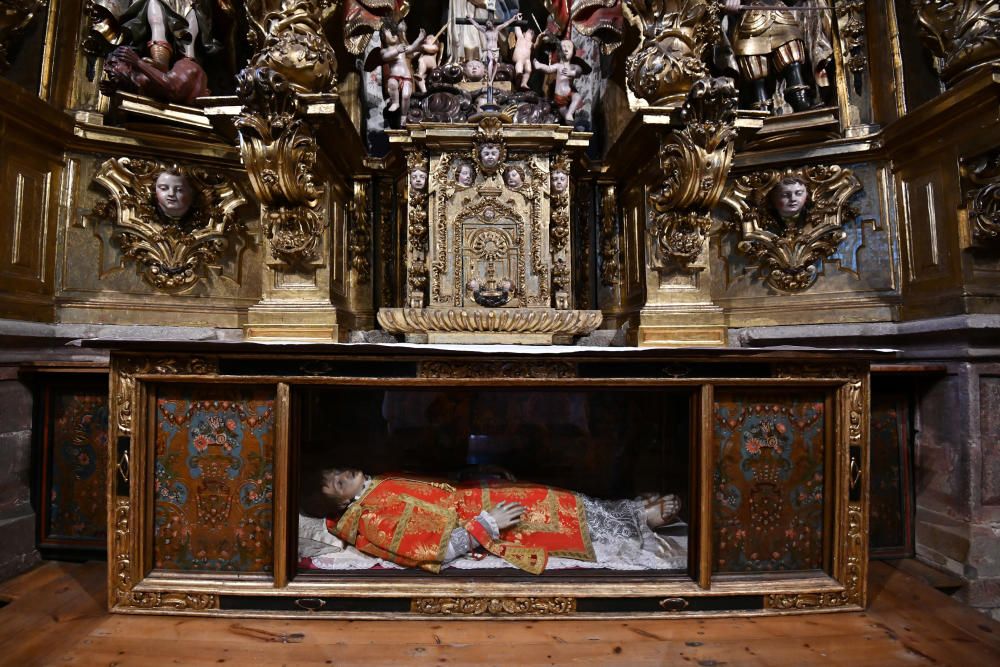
17 548
982 593
984 552
989 433
15 471
948 542
15 399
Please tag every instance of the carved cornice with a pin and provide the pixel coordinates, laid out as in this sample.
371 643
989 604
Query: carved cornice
787 250
497 369
513 320
695 161
964 33
170 253
668 60
529 606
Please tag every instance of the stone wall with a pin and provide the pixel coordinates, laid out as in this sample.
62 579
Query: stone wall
17 518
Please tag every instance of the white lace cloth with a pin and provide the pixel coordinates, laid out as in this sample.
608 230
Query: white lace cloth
618 531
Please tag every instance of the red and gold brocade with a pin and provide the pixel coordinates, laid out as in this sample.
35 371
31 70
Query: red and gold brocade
409 521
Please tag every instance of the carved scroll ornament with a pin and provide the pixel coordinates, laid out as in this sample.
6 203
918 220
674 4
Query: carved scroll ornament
695 162
788 243
965 33
668 60
983 201
279 151
171 238
287 38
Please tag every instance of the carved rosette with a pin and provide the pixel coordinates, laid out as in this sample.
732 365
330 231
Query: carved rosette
171 254
964 33
359 236
668 60
527 606
787 250
695 162
279 151
15 17
983 200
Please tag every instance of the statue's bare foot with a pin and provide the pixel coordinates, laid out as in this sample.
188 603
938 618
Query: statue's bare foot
661 509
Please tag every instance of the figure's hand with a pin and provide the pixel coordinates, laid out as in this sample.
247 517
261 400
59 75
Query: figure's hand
506 514
519 17
732 6
130 56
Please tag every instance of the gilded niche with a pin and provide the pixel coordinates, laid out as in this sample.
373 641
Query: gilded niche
791 220
172 221
961 32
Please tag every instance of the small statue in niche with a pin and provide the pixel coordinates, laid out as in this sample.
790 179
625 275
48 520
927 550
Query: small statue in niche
772 33
397 75
125 71
513 177
565 95
559 181
368 512
418 179
429 58
465 174
174 194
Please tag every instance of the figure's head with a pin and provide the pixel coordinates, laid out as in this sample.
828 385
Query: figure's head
174 194
340 486
465 174
489 155
418 179
789 197
513 178
567 49
474 70
430 40
560 181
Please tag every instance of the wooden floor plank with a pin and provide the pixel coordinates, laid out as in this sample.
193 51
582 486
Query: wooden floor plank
57 617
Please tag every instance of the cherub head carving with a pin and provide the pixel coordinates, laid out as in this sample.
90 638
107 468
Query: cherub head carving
465 175
513 177
489 156
174 194
789 197
560 181
474 70
418 179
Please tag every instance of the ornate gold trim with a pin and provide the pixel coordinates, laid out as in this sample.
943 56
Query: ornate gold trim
611 268
469 606
788 250
360 231
506 320
803 601
496 369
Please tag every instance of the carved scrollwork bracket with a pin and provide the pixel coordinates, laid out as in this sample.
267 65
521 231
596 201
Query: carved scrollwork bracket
668 60
174 240
695 161
788 240
983 199
964 33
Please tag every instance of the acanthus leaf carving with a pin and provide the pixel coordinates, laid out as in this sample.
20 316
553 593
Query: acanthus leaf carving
360 232
171 252
788 248
668 60
695 161
983 200
964 33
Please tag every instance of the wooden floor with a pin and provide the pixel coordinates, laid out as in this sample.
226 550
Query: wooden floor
56 616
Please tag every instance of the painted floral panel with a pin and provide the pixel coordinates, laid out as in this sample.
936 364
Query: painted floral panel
768 482
78 458
214 479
